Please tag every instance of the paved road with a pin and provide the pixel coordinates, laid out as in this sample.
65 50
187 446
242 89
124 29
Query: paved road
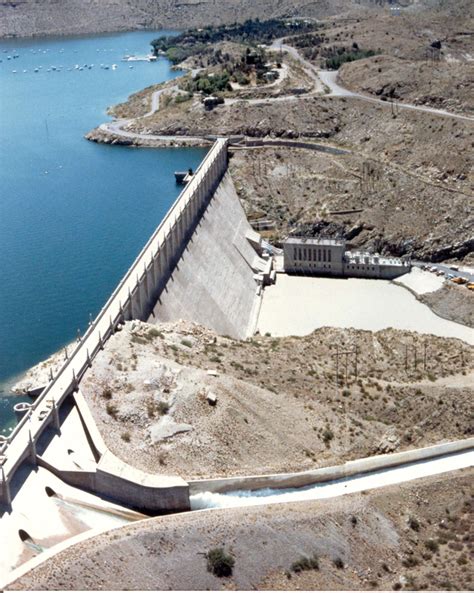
447 270
329 78
321 79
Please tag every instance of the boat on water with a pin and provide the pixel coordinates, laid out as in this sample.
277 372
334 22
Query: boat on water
132 58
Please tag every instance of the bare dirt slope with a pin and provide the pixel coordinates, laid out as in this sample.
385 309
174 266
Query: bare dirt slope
444 85
278 408
414 536
24 18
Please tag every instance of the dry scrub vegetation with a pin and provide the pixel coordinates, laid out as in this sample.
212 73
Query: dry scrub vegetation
416 535
278 406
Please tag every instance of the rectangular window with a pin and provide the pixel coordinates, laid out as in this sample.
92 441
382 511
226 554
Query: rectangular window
319 254
299 253
295 253
304 253
310 254
329 254
324 255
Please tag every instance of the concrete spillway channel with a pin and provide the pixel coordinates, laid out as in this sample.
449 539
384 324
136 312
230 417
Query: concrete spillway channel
334 488
97 516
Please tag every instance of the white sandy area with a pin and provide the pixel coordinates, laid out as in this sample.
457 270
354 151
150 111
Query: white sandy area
297 305
421 281
376 479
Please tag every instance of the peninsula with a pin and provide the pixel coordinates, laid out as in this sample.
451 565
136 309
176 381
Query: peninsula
297 330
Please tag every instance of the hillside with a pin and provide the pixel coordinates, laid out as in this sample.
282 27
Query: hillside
406 537
24 18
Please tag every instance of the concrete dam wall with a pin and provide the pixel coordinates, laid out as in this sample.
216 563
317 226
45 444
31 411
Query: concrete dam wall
215 282
199 264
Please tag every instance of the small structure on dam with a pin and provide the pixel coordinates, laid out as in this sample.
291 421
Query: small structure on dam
318 256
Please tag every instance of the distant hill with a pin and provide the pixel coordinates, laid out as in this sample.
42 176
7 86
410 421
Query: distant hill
23 18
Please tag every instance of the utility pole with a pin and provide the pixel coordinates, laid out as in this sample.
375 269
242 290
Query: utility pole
355 362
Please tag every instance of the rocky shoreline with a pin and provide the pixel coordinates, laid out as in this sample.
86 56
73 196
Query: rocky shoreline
101 136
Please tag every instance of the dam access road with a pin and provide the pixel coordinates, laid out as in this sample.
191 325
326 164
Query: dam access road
325 82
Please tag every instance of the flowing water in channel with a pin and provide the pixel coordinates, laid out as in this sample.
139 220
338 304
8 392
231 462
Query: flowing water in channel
73 214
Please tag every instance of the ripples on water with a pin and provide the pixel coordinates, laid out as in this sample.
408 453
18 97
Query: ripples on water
73 214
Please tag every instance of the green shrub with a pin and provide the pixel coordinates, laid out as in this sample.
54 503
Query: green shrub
305 563
338 562
155 333
335 61
126 437
220 563
187 343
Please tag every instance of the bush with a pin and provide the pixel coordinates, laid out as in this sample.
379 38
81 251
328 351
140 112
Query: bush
155 333
111 410
220 563
414 524
305 563
328 435
107 393
432 545
187 343
336 61
126 437
338 563
163 408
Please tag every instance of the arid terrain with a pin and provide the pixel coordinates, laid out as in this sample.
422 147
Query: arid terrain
278 406
307 158
414 536
403 183
25 18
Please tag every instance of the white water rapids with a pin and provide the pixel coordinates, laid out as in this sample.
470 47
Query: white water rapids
375 479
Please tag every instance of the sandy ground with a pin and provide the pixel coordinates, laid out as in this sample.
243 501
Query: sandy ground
381 537
298 305
421 281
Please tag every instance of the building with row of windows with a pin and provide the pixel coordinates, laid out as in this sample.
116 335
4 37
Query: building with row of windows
317 256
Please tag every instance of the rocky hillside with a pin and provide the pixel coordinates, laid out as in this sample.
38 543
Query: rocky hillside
24 18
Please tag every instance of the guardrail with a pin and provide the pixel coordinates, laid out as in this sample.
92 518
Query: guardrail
132 299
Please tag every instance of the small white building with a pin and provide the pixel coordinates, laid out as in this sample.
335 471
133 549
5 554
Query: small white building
316 256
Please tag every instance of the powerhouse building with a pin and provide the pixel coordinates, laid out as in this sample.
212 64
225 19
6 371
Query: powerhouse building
319 256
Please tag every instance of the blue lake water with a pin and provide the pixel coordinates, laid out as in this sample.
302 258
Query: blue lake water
73 214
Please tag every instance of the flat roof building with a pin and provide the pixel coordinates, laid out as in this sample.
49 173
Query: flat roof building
321 256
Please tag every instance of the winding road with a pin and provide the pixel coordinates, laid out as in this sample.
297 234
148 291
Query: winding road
323 80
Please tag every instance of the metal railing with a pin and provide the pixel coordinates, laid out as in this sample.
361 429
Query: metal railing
208 174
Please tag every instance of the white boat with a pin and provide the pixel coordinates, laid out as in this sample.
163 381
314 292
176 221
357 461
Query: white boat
114 66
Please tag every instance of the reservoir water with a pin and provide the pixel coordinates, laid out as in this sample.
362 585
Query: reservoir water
73 214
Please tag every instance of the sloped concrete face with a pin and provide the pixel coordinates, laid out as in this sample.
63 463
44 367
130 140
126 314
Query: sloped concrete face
213 283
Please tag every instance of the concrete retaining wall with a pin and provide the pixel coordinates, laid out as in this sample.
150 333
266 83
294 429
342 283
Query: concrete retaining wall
214 282
326 474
